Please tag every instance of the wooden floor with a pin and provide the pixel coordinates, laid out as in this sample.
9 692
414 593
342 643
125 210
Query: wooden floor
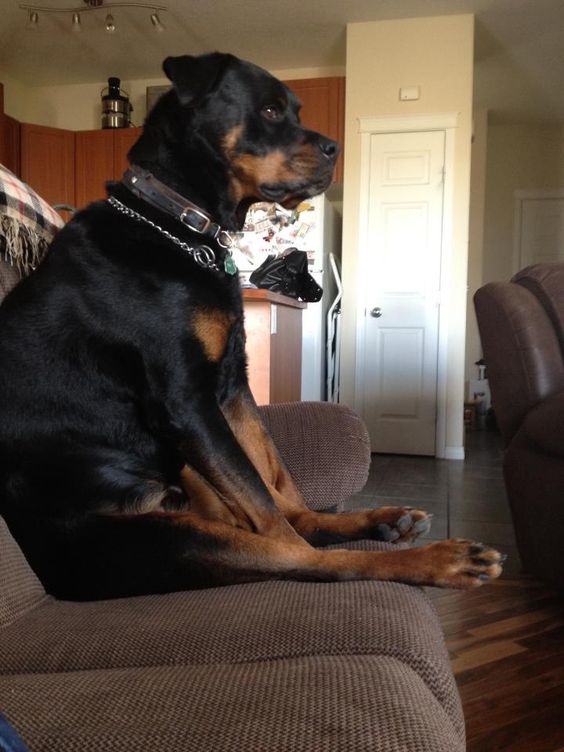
506 643
506 640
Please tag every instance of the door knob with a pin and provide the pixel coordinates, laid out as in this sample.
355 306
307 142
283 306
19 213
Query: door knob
376 312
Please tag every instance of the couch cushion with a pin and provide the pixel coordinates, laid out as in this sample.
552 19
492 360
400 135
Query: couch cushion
306 704
20 590
237 624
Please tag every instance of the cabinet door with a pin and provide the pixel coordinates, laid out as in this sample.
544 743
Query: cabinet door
94 165
323 109
124 138
47 162
10 143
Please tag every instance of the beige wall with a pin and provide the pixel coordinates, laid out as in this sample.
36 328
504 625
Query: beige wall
437 55
15 94
77 106
520 157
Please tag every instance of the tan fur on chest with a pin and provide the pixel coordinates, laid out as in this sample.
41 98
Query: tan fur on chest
212 328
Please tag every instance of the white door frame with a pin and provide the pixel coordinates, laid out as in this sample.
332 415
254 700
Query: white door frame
368 126
519 198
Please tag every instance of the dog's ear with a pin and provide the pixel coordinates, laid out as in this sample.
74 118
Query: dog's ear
194 77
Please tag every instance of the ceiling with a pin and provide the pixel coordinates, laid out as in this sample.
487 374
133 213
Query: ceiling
519 72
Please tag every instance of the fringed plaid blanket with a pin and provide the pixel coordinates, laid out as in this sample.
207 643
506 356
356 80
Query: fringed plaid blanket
27 223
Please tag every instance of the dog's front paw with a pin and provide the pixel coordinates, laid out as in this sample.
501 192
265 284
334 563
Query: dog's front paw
399 524
459 563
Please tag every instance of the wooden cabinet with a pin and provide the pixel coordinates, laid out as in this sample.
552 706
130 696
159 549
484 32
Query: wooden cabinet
101 155
94 165
124 138
323 109
9 139
273 325
10 143
47 162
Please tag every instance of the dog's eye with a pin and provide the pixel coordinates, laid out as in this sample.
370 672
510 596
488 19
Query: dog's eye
272 112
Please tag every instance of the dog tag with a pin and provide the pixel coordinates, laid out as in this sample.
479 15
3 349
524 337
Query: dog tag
229 264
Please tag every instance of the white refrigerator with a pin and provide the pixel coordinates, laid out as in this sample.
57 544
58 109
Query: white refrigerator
316 229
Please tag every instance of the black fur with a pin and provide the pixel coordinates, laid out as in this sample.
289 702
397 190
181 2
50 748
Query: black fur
106 390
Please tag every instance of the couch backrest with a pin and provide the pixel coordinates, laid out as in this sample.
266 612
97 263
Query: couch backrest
546 282
20 590
521 350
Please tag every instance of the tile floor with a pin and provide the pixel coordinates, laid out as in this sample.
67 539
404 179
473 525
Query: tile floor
467 498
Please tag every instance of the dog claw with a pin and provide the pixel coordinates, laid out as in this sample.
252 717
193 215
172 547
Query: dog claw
423 526
405 522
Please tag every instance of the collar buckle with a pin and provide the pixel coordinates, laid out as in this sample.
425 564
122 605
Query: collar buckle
195 220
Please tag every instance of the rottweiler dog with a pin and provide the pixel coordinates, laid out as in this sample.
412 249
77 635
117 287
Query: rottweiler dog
132 456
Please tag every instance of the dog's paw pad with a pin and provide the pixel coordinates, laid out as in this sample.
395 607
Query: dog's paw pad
402 524
461 563
386 533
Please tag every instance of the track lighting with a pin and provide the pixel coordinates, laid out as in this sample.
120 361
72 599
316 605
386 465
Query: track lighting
32 20
156 21
33 12
110 25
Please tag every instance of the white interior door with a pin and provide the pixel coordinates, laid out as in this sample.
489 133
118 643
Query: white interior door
398 357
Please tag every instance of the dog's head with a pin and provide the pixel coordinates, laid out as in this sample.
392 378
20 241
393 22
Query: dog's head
239 126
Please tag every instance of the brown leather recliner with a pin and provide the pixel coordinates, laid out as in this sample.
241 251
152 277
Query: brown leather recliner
521 324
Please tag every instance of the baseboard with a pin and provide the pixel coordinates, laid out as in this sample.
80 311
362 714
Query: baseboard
453 453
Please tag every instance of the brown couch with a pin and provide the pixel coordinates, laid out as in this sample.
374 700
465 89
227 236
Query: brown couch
521 325
265 667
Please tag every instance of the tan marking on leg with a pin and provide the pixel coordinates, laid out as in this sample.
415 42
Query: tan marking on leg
206 502
315 526
257 444
393 524
242 556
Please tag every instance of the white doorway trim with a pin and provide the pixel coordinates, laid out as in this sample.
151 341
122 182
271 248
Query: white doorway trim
519 198
447 122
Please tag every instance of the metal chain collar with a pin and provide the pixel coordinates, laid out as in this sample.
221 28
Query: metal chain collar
203 255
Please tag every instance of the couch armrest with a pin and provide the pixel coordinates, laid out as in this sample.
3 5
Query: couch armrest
324 446
545 423
20 590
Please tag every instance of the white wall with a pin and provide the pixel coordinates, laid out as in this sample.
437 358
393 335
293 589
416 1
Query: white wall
520 157
437 55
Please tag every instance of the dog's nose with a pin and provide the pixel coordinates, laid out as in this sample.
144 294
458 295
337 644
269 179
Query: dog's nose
329 147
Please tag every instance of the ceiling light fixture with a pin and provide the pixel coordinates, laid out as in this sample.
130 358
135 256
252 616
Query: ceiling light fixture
33 12
110 25
156 21
32 21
